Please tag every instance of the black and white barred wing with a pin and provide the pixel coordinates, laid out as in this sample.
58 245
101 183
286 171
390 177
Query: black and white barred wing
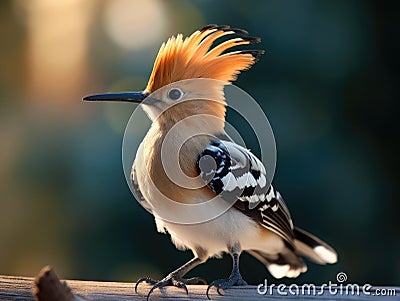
232 170
237 175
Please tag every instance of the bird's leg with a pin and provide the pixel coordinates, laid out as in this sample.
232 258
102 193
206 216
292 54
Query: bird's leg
235 279
175 278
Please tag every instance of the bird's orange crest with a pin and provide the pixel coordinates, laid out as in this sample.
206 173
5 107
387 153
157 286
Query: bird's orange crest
194 57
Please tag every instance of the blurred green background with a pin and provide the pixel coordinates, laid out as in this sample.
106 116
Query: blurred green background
328 84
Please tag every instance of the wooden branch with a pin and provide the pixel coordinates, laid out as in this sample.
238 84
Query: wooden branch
47 287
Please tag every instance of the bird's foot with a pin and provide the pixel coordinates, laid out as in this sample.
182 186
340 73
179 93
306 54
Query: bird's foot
235 279
170 280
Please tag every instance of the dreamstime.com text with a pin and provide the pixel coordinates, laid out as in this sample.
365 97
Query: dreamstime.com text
330 288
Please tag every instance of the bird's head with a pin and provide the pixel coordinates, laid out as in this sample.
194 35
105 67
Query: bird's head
189 74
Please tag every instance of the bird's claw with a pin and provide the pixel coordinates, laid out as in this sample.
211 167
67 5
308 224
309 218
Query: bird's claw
144 279
170 280
235 279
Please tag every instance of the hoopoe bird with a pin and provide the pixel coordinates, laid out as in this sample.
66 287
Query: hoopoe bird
258 220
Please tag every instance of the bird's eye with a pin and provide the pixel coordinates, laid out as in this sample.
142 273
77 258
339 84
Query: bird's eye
175 94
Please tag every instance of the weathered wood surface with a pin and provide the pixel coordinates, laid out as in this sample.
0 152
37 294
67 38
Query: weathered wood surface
21 288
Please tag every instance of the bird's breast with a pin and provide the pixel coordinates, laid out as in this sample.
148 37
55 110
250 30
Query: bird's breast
166 167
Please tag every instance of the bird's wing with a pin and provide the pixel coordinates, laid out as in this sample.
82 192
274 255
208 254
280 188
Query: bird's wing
231 170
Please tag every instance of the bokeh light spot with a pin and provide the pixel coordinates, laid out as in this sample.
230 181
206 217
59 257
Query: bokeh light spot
135 24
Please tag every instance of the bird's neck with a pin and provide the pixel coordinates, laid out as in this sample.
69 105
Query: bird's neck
186 138
166 152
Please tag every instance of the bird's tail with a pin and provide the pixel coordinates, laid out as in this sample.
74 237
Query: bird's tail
313 248
288 263
285 264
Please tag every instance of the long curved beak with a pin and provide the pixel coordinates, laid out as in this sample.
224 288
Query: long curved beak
135 97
